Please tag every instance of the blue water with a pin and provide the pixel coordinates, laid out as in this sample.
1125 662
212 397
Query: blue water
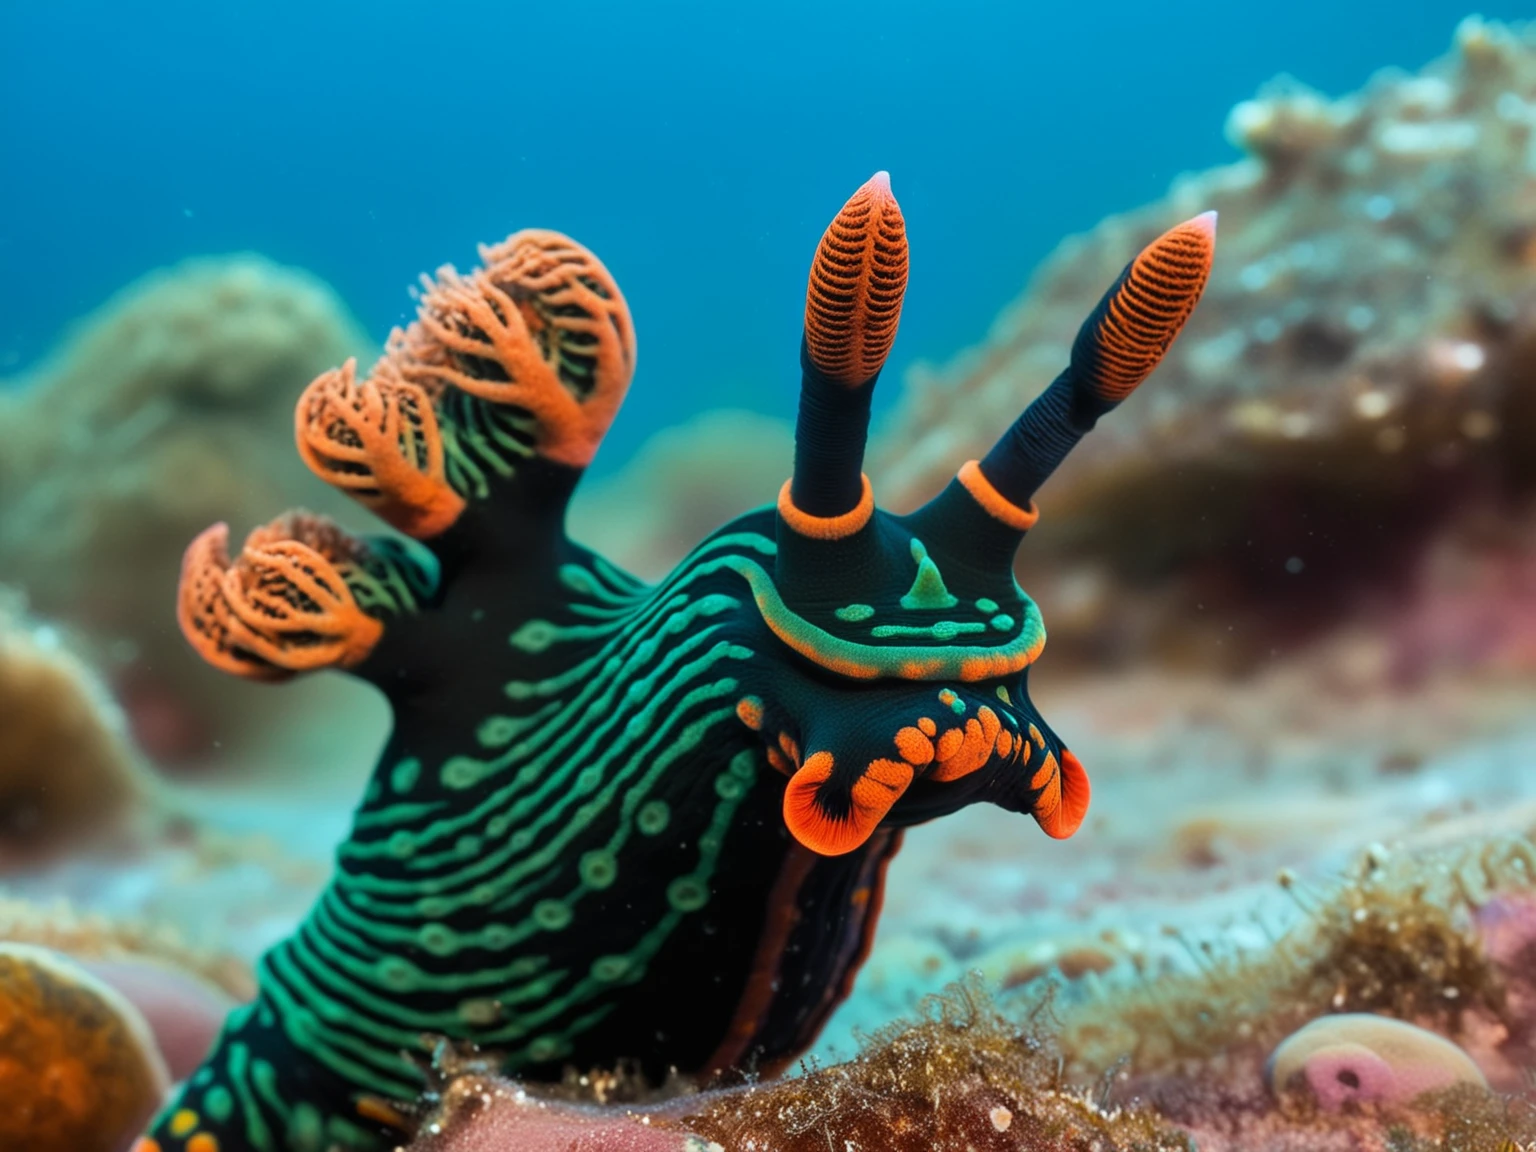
699 148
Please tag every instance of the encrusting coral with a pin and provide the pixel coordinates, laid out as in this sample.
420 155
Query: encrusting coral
78 1066
962 1076
67 772
1440 941
1353 1057
166 406
602 799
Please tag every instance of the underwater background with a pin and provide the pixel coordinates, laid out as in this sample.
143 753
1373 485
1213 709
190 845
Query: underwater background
1290 586
669 135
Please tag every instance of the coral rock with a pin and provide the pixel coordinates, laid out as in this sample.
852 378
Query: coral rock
1356 378
65 769
172 401
1357 1057
480 1114
78 1068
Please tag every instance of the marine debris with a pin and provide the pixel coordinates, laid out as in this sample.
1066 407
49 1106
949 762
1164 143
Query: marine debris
581 818
168 405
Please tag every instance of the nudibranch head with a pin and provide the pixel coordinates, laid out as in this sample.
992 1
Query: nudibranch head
912 639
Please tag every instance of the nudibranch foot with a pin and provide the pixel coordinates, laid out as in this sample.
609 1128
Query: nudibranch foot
616 821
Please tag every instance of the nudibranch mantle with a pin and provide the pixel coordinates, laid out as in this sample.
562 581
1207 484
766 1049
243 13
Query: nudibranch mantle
617 821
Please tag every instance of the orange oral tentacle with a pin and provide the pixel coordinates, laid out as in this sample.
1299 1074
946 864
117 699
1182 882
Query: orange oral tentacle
874 794
1064 803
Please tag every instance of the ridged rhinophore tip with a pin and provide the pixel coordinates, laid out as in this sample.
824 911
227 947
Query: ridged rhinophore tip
853 301
1138 319
1206 222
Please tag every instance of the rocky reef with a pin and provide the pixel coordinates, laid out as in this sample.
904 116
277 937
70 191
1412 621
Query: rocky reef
67 771
1343 434
173 399
1345 431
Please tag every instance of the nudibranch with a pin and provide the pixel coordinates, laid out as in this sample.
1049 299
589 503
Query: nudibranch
619 821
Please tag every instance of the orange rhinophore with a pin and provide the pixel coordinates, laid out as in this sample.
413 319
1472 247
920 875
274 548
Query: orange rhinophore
819 826
853 302
1142 315
379 441
541 327
282 606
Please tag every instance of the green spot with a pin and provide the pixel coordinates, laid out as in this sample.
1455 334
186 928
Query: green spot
952 701
943 630
401 975
544 1048
403 777
986 605
218 1103
204 1076
534 636
1003 622
497 937
727 787
599 868
497 825
467 846
462 772
551 915
577 579
744 766
434 906
402 845
927 592
610 968
265 1076
687 894
479 1012
438 939
306 1130
854 613
653 818
343 1132
1002 694
497 731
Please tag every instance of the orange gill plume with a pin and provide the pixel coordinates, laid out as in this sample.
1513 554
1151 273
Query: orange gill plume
541 326
282 606
853 302
1149 306
378 440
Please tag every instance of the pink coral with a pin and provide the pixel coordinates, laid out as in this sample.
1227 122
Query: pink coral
484 1114
1355 1057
